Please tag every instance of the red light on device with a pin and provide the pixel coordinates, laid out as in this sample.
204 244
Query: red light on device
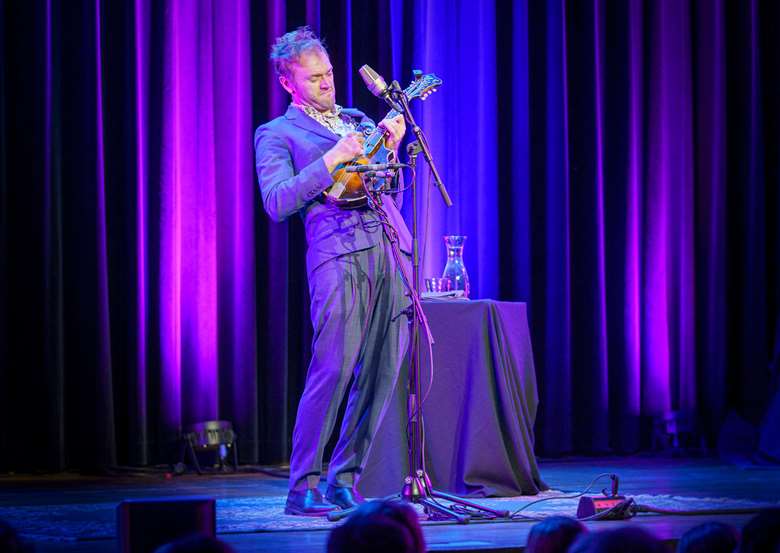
591 506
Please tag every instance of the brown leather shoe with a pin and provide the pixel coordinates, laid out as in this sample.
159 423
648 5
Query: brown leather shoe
346 498
307 503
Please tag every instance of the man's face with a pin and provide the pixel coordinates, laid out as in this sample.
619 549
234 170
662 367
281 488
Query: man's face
311 81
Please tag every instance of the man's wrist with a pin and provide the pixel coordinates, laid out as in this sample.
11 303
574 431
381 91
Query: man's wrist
330 162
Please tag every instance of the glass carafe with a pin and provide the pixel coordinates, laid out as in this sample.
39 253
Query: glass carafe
455 270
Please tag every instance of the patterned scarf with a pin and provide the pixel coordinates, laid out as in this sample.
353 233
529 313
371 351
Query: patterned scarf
338 124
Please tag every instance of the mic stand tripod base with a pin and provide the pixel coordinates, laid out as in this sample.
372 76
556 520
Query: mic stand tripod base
418 489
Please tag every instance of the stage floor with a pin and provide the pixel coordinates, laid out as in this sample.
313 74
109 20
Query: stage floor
70 498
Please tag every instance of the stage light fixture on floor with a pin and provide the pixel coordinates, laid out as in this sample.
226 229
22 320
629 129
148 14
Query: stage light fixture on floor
210 437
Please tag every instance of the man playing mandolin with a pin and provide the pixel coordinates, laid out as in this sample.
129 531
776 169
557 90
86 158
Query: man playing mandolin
357 299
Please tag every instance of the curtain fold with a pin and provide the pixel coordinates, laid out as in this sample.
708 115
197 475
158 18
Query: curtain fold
710 258
614 165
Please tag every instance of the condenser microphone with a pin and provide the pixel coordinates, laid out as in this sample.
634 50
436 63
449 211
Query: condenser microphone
377 85
374 81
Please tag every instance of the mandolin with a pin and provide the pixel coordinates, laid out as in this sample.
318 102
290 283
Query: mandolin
347 191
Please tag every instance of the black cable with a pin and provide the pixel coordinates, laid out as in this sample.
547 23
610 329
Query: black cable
680 512
624 506
586 490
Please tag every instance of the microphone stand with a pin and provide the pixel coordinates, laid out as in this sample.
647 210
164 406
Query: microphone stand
417 486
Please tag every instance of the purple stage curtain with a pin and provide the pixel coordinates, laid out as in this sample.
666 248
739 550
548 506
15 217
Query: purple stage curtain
613 163
207 267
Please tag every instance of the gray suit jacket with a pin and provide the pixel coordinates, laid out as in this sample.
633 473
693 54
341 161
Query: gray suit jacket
292 177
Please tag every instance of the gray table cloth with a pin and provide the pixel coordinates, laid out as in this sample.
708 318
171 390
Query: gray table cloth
480 413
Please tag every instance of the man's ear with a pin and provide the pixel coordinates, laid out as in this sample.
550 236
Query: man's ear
285 82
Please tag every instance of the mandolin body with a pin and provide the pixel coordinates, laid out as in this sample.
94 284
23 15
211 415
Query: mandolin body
347 190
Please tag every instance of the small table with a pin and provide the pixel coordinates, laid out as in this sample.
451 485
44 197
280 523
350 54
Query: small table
480 413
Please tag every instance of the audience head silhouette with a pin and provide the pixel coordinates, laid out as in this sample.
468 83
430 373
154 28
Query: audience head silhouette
622 540
710 537
379 527
554 535
762 533
10 542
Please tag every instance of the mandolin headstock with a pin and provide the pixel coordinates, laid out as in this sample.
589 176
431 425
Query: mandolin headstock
422 86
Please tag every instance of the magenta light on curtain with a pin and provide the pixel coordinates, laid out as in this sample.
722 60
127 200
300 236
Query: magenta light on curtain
633 258
235 191
206 203
668 349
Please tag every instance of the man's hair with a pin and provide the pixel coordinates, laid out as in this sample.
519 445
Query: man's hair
289 47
